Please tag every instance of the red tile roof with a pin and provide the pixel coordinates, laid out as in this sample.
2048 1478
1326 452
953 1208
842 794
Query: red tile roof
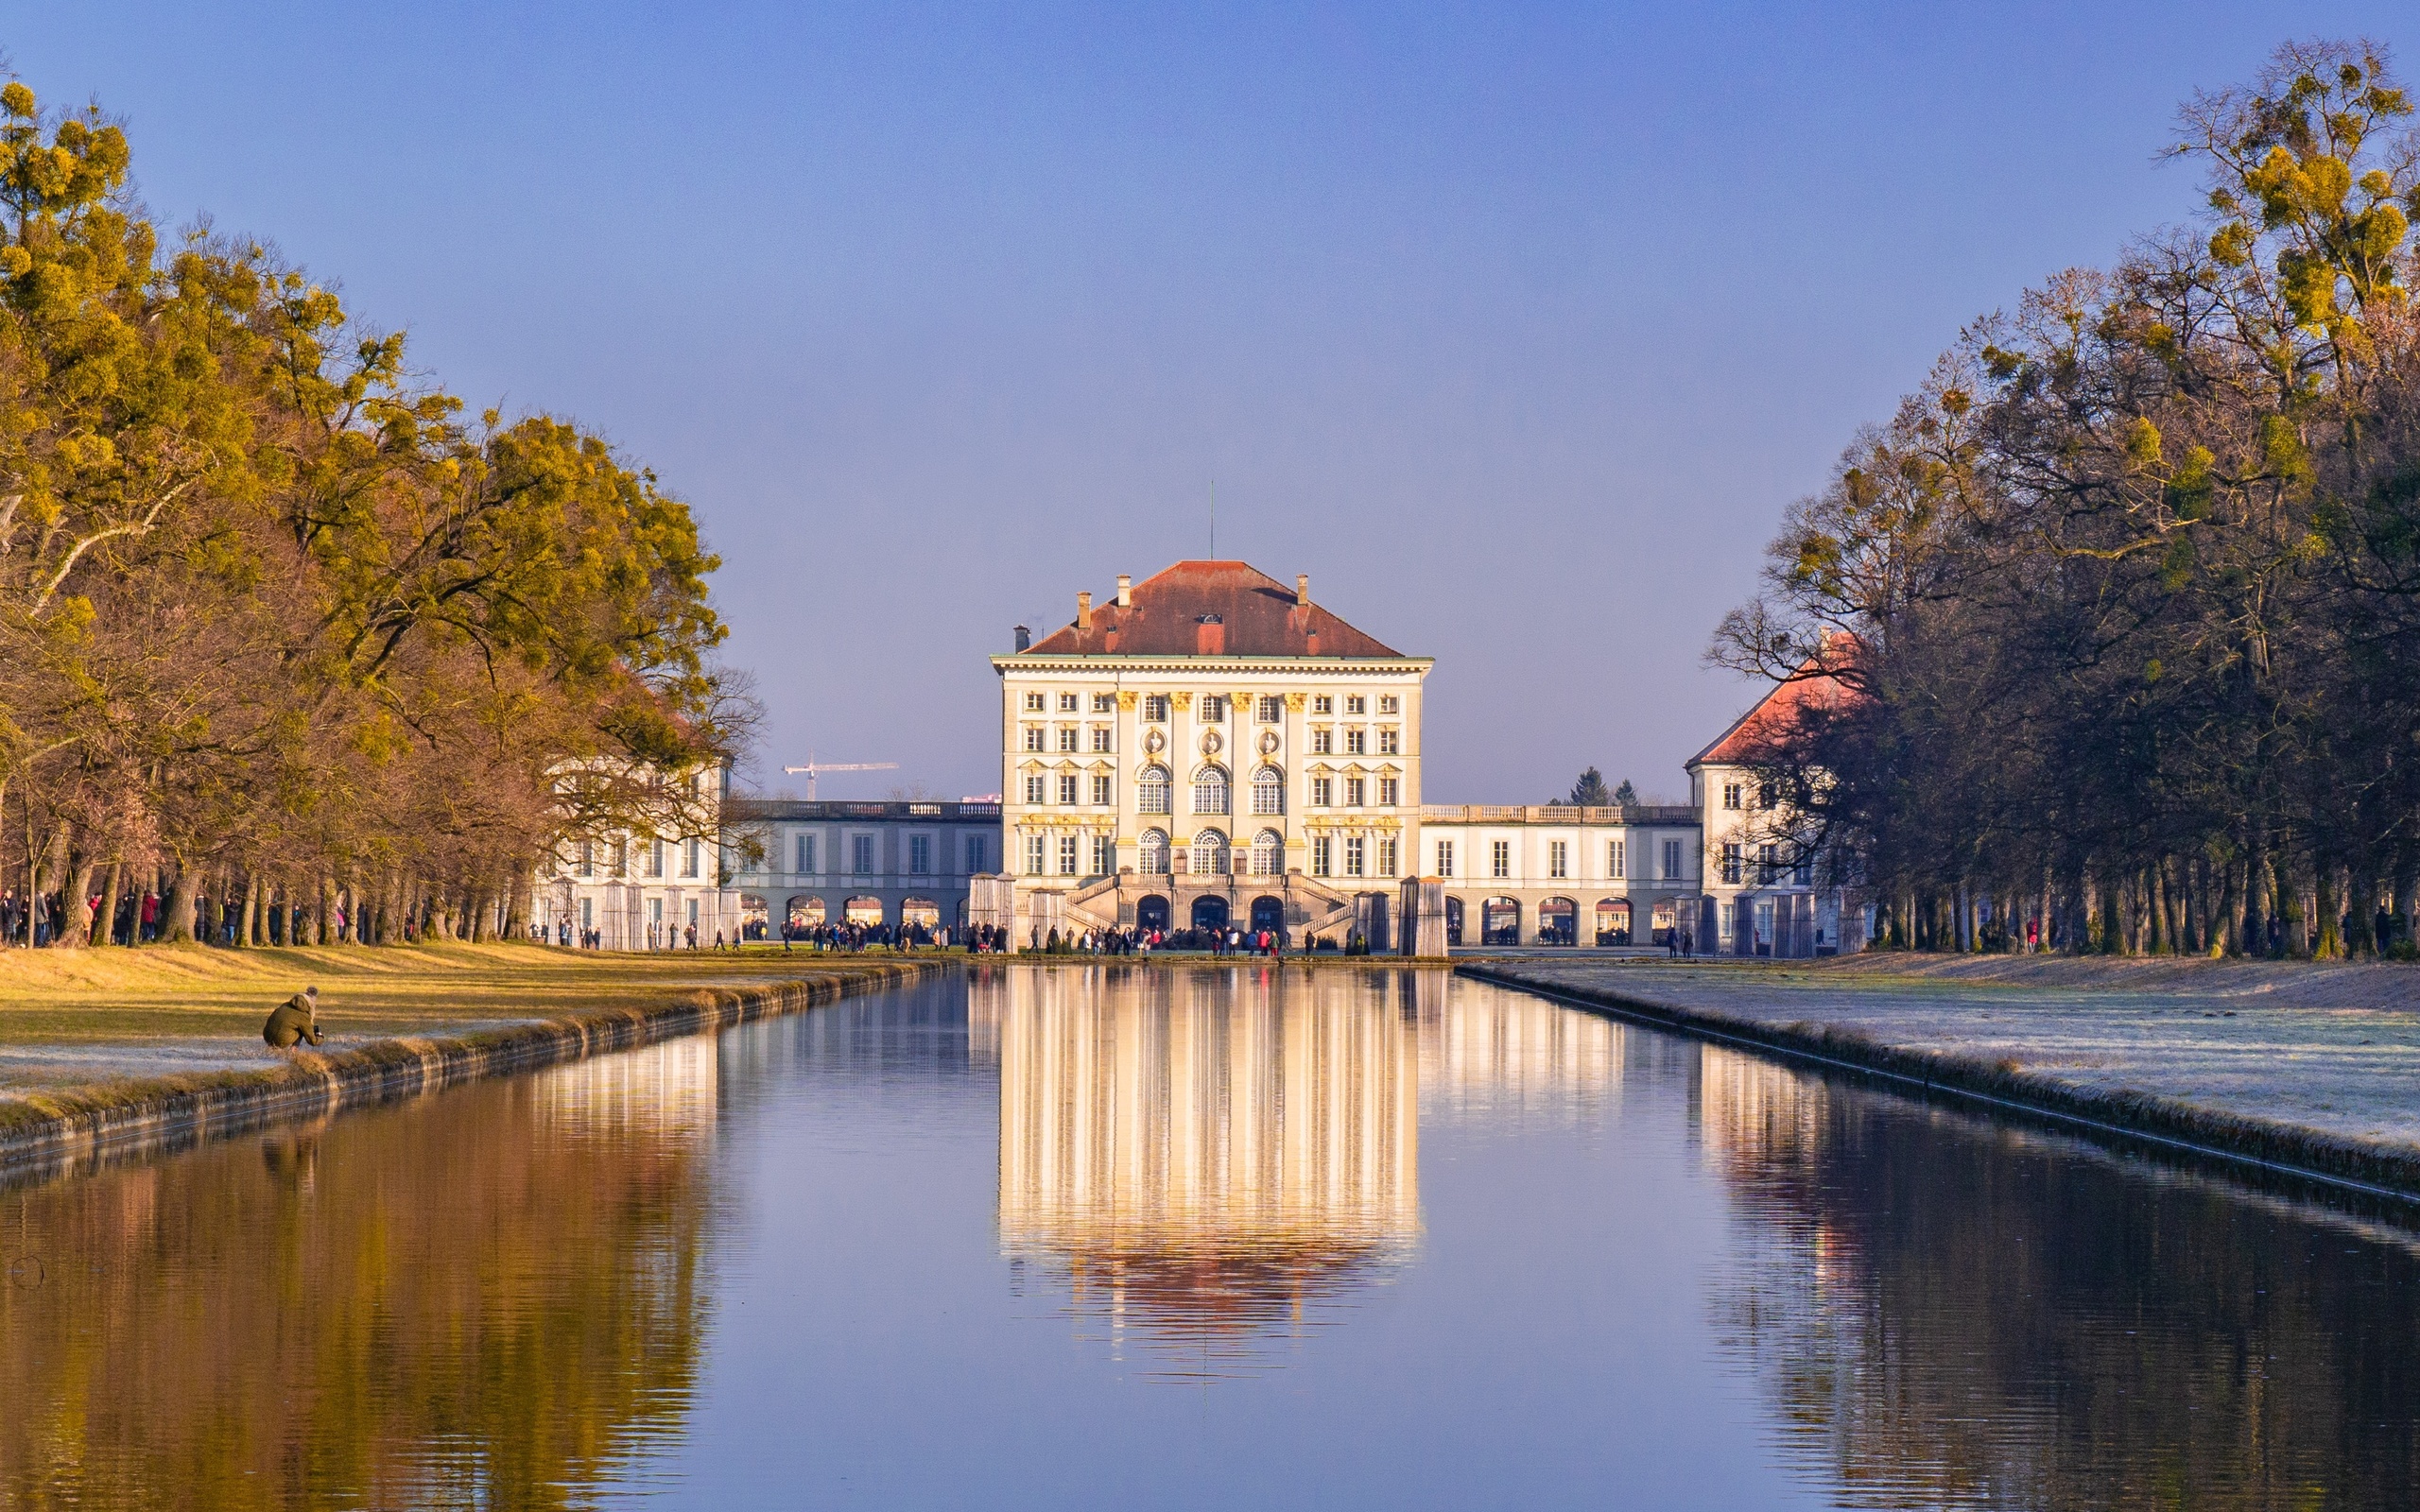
1754 735
1247 614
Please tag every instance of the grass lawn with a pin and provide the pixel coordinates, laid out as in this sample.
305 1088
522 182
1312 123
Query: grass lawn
70 1015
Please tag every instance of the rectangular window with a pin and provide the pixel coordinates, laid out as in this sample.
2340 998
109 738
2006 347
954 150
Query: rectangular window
1672 860
1066 703
1500 858
1214 709
976 853
588 913
1034 854
1067 738
1558 858
1066 855
1386 856
1390 741
861 854
689 858
1104 855
1617 859
1322 704
588 858
1354 849
1105 702
1357 743
1322 791
1801 872
1272 708
1035 785
806 854
1319 856
1731 864
1033 701
1067 788
1353 788
1155 709
1356 704
919 854
1444 858
1387 790
1730 795
1389 704
1034 737
1322 743
622 856
1764 866
652 861
1101 789
1101 738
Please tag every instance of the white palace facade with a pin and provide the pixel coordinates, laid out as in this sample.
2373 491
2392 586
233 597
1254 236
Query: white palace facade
1210 749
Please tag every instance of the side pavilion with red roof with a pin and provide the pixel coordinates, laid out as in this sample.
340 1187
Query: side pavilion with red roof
1760 898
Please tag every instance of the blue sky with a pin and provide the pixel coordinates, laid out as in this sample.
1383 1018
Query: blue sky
1514 326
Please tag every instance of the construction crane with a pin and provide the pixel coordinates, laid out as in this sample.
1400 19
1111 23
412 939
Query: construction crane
814 766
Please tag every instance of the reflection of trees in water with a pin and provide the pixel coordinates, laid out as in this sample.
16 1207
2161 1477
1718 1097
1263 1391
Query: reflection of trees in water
1203 1161
1951 1313
490 1297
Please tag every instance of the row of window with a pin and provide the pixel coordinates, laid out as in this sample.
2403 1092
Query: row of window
1770 867
690 853
1213 708
1356 740
865 859
1154 793
1499 859
1210 856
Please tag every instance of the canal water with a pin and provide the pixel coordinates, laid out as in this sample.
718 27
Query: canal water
1099 1236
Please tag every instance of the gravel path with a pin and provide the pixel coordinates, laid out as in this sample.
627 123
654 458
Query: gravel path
2331 1049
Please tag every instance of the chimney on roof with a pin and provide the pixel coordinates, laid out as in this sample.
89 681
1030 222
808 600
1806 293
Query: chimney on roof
1302 590
1025 638
1125 591
1085 610
1210 636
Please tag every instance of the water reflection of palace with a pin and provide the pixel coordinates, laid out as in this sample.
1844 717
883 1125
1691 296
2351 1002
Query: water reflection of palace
1204 1156
1212 1159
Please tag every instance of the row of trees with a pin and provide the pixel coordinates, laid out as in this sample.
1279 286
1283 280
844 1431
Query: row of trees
284 634
2124 602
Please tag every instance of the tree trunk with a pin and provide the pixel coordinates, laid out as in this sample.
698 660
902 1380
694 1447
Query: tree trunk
104 927
177 922
76 902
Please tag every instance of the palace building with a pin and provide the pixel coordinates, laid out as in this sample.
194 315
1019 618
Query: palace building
1209 748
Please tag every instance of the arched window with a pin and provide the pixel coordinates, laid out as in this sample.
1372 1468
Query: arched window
1152 794
1269 791
1267 853
1152 854
1209 853
1210 790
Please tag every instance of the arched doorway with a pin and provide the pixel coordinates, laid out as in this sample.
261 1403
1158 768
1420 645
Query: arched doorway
1612 921
921 913
805 913
1210 911
1558 923
1666 919
1151 913
753 915
1269 914
1500 921
862 911
1453 920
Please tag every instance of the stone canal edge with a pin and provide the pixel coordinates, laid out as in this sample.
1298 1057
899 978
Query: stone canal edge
150 1117
2169 1124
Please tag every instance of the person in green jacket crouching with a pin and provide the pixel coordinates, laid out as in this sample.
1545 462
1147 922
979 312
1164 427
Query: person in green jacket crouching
297 1019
